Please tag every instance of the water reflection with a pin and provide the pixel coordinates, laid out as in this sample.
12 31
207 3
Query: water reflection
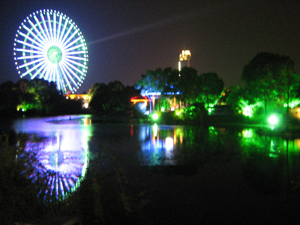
159 144
269 164
61 148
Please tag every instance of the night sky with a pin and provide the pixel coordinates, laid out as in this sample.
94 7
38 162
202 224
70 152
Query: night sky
126 38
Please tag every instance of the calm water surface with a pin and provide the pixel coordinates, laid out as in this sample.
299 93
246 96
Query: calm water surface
267 164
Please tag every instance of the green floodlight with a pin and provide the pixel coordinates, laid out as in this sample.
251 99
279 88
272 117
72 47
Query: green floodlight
273 120
154 116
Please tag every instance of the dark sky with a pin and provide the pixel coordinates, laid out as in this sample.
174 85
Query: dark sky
126 38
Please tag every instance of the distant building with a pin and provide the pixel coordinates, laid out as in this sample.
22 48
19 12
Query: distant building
184 59
84 97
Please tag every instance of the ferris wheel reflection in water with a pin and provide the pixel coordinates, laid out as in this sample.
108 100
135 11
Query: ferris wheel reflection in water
61 155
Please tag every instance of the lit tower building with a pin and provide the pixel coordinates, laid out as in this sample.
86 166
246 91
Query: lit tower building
184 59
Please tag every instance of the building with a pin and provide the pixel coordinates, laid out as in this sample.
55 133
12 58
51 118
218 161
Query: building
83 97
184 59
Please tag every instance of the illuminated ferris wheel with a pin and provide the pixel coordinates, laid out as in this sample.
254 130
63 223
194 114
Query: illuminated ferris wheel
49 45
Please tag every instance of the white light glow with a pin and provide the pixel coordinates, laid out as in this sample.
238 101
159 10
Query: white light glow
50 46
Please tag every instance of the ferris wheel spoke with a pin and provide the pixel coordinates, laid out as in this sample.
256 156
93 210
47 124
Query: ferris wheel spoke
76 58
38 33
30 57
74 47
68 32
29 45
30 32
70 74
31 62
45 27
27 50
61 187
42 30
74 68
44 71
49 26
76 63
67 76
54 26
75 53
58 28
73 42
63 31
32 40
42 66
30 70
70 38
47 73
66 184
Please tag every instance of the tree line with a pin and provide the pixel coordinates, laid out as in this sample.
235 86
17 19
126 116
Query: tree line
34 97
271 84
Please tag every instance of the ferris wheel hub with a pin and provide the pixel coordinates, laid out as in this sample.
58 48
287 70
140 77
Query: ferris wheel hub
54 54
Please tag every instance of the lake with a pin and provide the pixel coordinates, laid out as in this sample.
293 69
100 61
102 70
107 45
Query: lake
191 173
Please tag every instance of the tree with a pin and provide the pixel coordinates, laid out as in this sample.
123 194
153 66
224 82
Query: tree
39 95
272 77
111 97
153 81
8 97
189 84
116 93
186 85
99 97
212 87
244 101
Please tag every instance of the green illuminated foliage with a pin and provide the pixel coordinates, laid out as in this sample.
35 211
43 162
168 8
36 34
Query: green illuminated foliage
38 95
245 101
248 109
293 103
272 79
195 112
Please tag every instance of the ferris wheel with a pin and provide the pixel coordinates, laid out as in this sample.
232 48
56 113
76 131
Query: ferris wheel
48 45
